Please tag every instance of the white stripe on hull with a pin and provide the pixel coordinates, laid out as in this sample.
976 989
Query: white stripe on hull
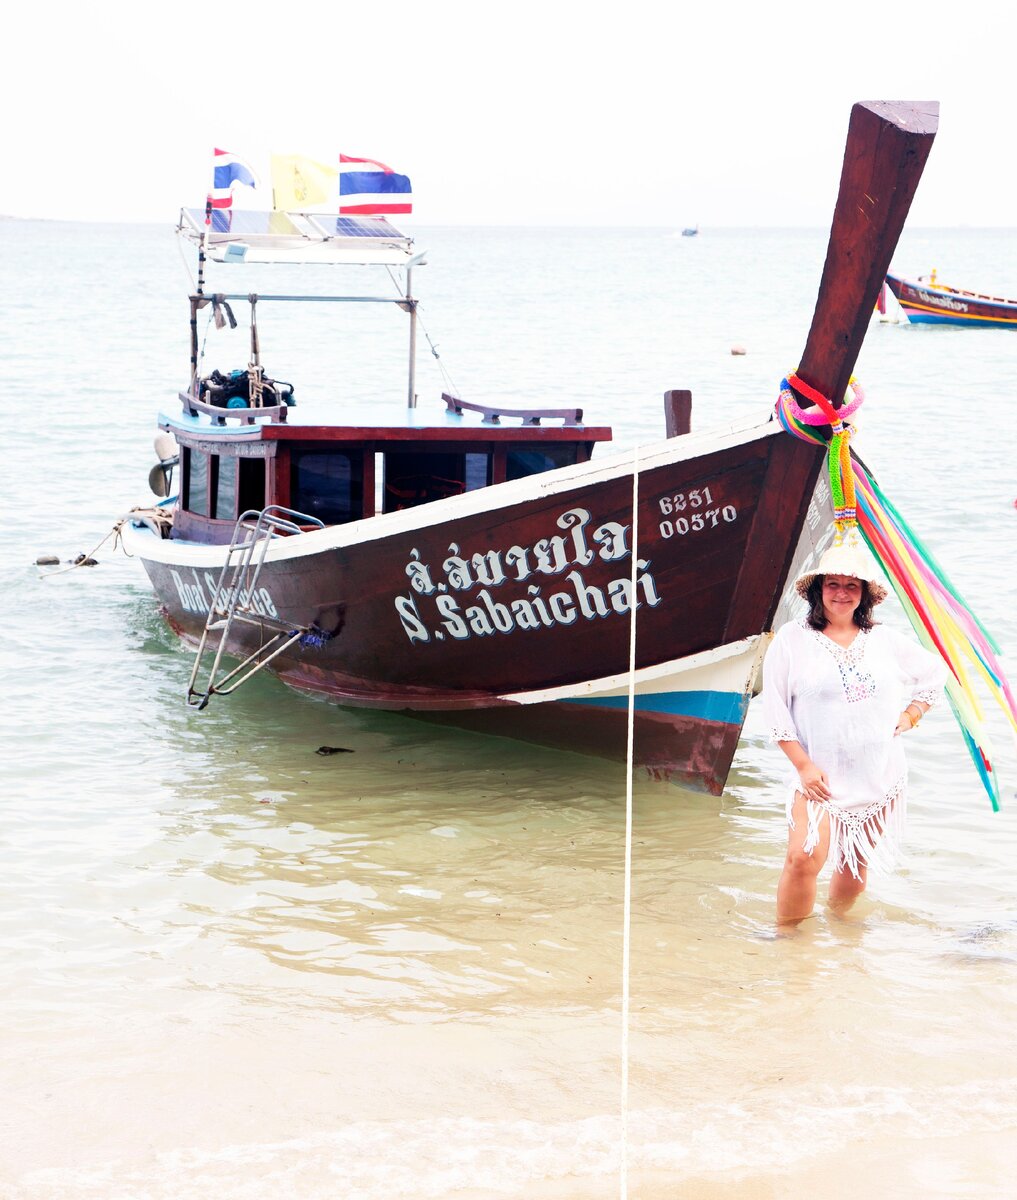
729 668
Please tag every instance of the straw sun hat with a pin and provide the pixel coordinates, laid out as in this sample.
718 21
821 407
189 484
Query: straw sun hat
847 558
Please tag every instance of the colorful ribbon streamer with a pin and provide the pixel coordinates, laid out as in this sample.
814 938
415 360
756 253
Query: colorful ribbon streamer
938 614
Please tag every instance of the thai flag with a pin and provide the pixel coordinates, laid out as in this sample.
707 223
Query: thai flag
369 187
227 171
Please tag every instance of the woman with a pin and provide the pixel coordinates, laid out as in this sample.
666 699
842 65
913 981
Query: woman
838 693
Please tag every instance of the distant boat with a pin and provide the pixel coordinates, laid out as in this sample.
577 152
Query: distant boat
926 302
691 231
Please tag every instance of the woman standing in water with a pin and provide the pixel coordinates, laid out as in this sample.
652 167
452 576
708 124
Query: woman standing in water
838 693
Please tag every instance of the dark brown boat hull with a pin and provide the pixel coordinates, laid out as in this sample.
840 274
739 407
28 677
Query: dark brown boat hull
516 618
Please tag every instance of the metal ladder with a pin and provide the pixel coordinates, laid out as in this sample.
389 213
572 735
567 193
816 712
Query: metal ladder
232 601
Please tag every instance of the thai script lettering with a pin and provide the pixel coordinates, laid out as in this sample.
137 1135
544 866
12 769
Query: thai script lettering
464 600
939 301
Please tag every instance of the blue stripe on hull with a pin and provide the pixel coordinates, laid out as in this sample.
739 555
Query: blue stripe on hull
924 318
729 707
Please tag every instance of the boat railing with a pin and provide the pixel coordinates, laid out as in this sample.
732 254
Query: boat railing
528 416
931 282
247 413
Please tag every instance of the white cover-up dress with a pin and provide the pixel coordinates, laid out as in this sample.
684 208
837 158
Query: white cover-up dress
842 705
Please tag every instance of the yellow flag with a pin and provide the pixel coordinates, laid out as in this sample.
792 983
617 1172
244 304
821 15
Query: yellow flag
299 183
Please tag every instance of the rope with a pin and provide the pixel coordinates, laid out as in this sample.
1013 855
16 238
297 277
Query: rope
156 514
450 384
627 900
801 423
939 615
204 343
83 558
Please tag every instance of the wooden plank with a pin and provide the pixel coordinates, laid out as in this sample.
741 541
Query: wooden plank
677 412
481 435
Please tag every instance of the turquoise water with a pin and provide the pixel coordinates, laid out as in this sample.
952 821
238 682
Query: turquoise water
234 966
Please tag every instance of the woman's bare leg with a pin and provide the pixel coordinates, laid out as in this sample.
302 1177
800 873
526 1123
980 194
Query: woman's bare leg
796 892
845 889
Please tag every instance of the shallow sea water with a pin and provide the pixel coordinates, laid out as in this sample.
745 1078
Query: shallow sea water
235 967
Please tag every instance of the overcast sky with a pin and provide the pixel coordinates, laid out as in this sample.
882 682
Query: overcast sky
629 113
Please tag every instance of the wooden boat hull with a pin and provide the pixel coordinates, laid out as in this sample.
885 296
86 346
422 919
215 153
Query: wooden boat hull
509 610
927 304
514 606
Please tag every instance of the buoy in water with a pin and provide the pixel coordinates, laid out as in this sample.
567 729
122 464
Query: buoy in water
738 350
51 560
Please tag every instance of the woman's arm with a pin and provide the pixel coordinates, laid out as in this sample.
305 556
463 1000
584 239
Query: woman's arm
777 691
911 715
924 673
814 781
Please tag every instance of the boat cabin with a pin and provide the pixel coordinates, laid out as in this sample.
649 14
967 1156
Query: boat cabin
238 450
339 473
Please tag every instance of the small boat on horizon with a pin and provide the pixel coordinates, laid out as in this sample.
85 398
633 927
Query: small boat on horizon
690 231
925 301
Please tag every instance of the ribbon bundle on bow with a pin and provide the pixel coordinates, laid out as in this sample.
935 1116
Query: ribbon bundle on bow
940 617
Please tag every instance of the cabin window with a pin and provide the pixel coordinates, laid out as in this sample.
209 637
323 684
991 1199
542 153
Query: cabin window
224 495
251 484
196 482
519 462
478 471
328 485
417 478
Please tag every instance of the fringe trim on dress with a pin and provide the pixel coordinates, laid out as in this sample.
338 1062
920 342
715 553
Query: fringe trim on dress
867 837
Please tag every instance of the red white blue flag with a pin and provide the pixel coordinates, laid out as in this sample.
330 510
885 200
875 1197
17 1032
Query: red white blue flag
370 188
227 171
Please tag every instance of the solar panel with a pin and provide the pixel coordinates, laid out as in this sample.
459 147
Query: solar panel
364 227
250 223
244 235
246 222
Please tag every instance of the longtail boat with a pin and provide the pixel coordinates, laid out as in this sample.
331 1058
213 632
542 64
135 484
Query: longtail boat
925 301
479 567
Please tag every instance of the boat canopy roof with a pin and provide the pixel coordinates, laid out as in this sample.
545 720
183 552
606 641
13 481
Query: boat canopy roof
245 235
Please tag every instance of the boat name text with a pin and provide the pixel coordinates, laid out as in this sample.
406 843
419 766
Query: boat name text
489 570
194 596
942 301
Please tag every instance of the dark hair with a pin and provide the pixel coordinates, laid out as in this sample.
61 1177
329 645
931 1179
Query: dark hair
862 616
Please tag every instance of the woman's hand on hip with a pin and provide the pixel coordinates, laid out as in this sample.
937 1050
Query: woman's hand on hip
815 784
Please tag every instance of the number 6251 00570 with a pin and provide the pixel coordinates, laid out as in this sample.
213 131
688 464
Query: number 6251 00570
697 516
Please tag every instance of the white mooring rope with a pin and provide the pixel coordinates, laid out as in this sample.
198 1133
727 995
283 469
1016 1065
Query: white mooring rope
627 903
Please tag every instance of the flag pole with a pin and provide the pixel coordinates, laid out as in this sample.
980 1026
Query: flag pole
411 306
202 249
196 300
